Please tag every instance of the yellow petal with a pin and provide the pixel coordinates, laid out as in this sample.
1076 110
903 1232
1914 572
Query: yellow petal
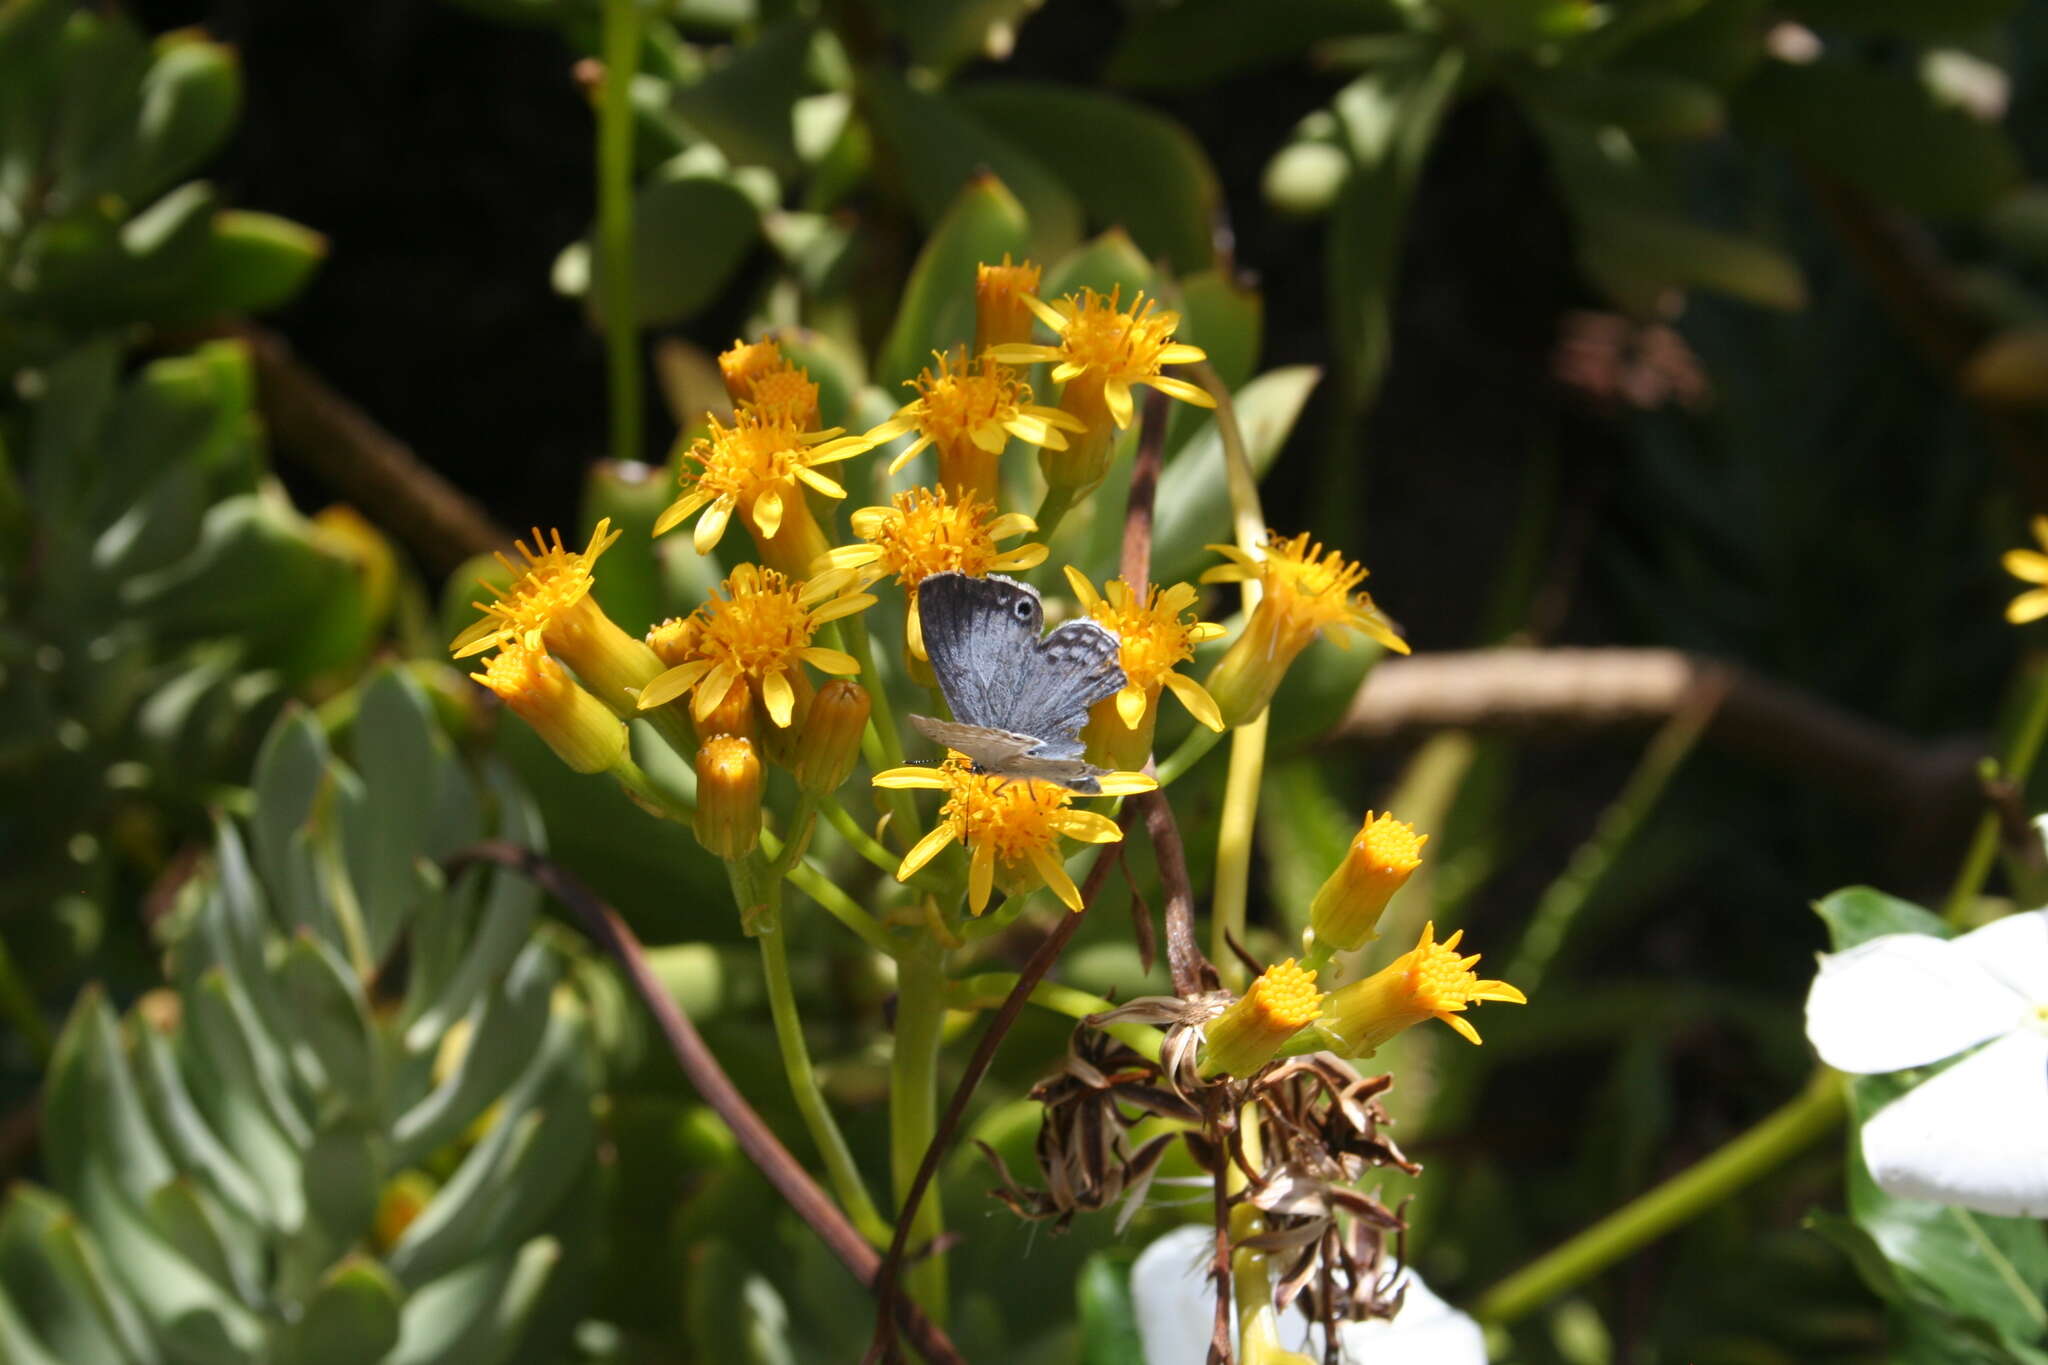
915 449
904 420
2028 606
1066 370
1047 314
711 526
842 606
981 876
845 448
1130 706
666 687
779 698
1196 698
811 478
1181 389
867 522
990 436
678 512
1084 591
713 689
833 661
1055 876
479 637
1021 353
1180 353
1023 557
1011 524
923 851
845 557
913 631
2029 566
1054 417
768 513
1127 784
1088 827
1201 632
908 778
1116 395
1462 1025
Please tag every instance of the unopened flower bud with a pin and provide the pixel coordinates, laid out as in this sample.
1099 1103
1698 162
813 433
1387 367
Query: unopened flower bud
581 730
1382 856
1000 314
729 785
830 743
780 742
736 716
746 362
1252 1031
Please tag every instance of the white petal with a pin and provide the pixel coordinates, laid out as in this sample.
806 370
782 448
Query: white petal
1171 1295
1905 1000
1975 1135
1427 1331
2015 950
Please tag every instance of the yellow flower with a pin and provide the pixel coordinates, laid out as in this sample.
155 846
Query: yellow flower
1429 981
745 363
1154 635
788 394
1103 350
968 413
1001 313
727 820
1381 858
1306 592
548 605
755 636
1011 827
753 467
2029 566
580 729
1252 1030
926 531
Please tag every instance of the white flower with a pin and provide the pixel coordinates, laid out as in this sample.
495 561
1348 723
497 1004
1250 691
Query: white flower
1175 1305
1976 1134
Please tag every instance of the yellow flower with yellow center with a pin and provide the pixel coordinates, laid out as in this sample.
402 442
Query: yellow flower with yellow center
788 394
1251 1032
926 531
745 363
1011 827
1383 855
1306 593
967 413
1430 981
548 606
755 633
580 729
2029 566
754 467
1001 311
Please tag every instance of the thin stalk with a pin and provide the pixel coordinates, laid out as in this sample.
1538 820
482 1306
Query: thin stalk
803 1077
650 798
615 223
1650 1215
1059 500
1199 742
863 843
18 1002
914 1115
986 990
1234 848
883 743
2019 758
832 900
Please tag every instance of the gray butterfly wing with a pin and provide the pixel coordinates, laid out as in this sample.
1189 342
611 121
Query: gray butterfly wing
978 632
1066 673
1010 755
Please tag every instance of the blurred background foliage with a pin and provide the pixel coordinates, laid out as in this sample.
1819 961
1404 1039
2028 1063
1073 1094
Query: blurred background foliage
1705 325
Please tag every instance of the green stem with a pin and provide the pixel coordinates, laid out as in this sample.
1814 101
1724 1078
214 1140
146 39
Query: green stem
661 804
18 1002
831 899
1199 742
1059 500
1649 1216
1234 847
615 222
914 1115
802 1075
863 843
2020 754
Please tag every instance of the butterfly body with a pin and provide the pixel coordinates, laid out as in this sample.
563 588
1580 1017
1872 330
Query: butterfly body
1019 698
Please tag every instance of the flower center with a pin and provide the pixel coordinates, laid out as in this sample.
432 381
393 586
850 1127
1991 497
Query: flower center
1009 816
758 449
759 626
1153 636
1102 336
933 533
957 400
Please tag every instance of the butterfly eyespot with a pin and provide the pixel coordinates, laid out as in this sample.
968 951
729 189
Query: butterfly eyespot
1022 608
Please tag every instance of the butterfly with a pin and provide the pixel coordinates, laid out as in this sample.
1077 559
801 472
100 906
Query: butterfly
1018 699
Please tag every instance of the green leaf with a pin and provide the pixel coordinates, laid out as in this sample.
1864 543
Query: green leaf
1988 1269
984 223
1194 44
184 1217
478 1314
191 96
1647 105
351 1319
342 1177
291 771
744 104
943 34
248 263
1226 319
399 751
505 1031
91 1104
1857 914
940 146
734 1314
690 232
1109 1322
1110 263
61 1287
334 1035
1129 167
1193 503
1883 132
